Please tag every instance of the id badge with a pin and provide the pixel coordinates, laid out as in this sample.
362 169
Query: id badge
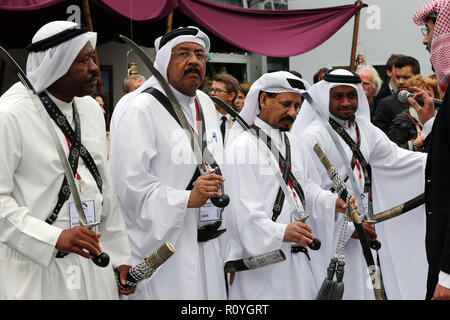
89 212
209 213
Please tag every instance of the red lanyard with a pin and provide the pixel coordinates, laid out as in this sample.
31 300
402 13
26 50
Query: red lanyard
197 119
358 166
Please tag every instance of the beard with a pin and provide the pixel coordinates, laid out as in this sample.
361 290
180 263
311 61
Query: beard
286 127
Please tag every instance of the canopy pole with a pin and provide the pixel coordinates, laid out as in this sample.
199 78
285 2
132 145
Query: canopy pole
169 22
355 38
88 22
2 74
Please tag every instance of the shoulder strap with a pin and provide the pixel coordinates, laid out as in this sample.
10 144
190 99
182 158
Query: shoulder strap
282 162
76 150
279 200
355 149
205 152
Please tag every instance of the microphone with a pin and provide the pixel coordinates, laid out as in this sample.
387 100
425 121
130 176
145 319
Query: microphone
403 96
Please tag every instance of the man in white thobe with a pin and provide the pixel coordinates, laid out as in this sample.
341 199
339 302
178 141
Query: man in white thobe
253 226
152 164
43 253
396 176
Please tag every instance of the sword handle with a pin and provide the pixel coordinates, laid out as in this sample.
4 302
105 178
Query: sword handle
222 201
101 260
315 245
375 245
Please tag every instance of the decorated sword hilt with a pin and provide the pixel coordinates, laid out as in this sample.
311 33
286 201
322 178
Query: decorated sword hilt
224 199
146 268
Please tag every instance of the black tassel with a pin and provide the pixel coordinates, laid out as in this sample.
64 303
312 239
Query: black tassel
328 284
337 295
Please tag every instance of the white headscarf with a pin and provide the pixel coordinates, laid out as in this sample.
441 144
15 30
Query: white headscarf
45 67
275 82
320 93
161 63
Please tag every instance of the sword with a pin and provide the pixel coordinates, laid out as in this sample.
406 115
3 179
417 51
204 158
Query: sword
397 210
204 167
102 260
147 267
259 261
316 242
342 190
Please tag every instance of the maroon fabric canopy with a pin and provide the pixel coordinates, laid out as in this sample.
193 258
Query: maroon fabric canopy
141 10
25 5
276 33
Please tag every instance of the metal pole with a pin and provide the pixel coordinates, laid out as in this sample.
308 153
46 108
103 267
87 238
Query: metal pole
355 39
169 22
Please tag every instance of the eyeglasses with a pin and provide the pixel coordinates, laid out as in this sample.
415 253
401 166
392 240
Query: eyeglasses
424 31
216 91
185 55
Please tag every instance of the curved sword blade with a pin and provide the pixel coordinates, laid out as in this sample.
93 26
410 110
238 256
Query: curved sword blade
16 68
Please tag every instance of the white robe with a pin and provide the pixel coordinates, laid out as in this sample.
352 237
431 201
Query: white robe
253 187
151 164
397 176
30 178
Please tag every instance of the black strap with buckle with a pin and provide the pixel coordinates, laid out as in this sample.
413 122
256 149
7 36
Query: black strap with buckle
77 150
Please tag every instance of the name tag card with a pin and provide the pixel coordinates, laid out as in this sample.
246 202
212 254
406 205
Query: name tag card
209 213
89 212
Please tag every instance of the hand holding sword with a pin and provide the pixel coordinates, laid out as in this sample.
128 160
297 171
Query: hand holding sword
207 186
78 240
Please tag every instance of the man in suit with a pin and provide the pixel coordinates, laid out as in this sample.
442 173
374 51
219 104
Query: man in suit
226 88
371 83
404 68
435 16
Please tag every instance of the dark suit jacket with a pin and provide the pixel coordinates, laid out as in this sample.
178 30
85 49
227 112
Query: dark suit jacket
437 195
386 110
386 91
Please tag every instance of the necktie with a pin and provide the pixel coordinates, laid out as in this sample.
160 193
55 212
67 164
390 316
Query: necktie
222 127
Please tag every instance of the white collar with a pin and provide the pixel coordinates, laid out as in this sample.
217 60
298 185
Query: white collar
183 99
346 124
65 107
275 134
220 115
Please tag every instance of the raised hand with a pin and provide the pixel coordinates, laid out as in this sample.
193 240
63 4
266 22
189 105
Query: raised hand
427 111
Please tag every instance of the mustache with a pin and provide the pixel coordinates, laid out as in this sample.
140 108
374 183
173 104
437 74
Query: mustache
94 76
192 70
287 118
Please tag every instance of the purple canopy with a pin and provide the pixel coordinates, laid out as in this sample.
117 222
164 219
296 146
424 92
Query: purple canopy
25 5
276 33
